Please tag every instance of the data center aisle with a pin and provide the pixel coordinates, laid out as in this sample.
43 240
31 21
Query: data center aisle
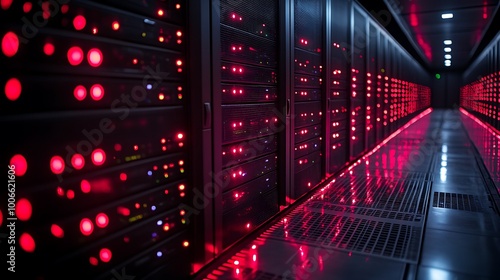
415 208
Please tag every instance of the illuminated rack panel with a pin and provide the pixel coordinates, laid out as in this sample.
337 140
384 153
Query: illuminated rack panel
338 98
248 48
95 102
307 99
480 95
371 87
358 87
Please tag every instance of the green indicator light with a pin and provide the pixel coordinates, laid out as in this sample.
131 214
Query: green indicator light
438 76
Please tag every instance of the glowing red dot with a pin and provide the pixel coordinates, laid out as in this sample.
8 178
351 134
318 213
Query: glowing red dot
77 161
180 136
70 194
179 33
1 218
49 49
10 44
5 4
27 7
13 89
177 6
79 22
27 242
97 92
185 244
94 57
123 176
101 220
160 12
23 209
98 157
93 261
118 147
64 8
57 164
20 163
179 62
57 231
85 186
115 25
80 92
123 211
75 55
105 255
60 191
86 226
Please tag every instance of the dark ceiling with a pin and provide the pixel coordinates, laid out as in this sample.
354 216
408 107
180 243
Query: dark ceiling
421 28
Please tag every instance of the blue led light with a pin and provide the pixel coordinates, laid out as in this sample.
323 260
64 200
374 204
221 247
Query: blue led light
159 222
159 254
149 86
150 173
153 208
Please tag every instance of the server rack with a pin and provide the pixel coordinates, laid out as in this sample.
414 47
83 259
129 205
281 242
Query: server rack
96 105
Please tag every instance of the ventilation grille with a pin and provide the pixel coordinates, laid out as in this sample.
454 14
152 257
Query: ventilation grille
457 201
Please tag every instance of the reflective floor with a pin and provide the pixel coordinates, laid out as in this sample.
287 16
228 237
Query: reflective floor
415 208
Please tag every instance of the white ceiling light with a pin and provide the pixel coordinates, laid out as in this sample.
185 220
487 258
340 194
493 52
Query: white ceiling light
447 56
447 49
447 61
447 16
448 42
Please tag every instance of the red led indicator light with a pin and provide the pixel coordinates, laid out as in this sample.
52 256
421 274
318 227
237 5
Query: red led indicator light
86 226
70 194
123 176
77 161
1 218
98 157
5 4
23 209
180 136
48 49
179 33
64 8
75 56
27 242
85 186
179 62
20 164
177 6
185 244
57 164
79 22
13 89
27 7
93 261
10 44
57 231
116 25
105 255
80 92
102 220
97 92
94 57
161 12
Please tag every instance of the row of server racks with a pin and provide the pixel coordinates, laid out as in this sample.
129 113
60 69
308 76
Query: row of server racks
144 138
480 94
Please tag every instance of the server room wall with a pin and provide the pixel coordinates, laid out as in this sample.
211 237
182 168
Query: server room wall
446 90
480 91
148 137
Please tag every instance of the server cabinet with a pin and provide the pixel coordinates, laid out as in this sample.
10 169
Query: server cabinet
307 112
358 97
338 99
249 124
371 87
96 108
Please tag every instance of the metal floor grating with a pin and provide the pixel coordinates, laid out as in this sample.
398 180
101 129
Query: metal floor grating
367 195
457 201
399 241
374 216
